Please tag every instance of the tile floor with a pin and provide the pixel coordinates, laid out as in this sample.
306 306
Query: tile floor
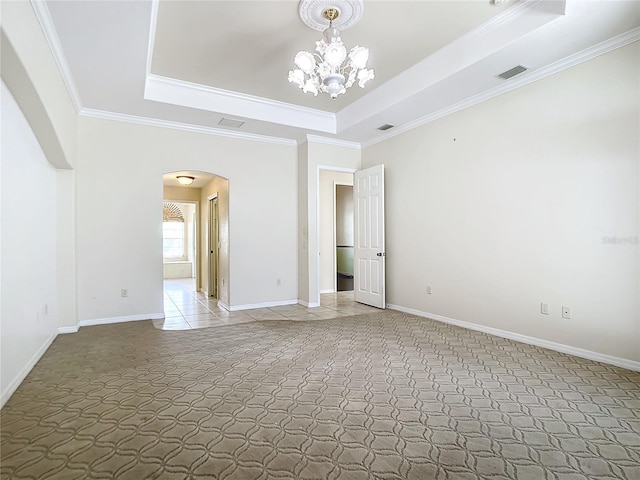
186 309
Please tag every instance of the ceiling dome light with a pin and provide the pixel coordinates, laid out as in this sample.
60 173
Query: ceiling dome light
330 70
185 180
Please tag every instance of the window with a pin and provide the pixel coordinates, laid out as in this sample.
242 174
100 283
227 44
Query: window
173 240
173 232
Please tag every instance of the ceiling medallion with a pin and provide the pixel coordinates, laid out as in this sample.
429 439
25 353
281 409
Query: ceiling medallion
312 13
330 69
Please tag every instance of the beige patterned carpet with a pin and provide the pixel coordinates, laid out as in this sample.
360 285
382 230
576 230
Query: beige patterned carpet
383 395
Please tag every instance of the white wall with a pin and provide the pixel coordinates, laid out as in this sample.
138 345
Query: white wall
28 276
262 214
66 247
303 223
510 203
39 134
313 157
328 228
190 212
30 71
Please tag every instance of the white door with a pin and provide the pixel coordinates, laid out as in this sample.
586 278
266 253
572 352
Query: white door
369 254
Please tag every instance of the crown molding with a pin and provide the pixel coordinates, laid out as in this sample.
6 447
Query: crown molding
185 86
507 27
48 29
155 4
238 95
333 141
154 122
526 79
203 97
508 15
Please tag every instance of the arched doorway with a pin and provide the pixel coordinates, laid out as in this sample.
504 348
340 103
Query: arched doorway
195 245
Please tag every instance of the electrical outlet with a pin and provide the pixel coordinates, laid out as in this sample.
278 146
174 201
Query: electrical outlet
429 291
544 308
124 292
566 312
278 282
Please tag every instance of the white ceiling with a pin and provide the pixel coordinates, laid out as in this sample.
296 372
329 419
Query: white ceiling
248 46
191 63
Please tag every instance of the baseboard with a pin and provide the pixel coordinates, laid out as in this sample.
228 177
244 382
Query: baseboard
73 329
128 318
250 306
308 304
331 290
538 342
15 383
224 305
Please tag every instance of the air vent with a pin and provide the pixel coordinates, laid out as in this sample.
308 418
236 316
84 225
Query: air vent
513 72
230 122
384 127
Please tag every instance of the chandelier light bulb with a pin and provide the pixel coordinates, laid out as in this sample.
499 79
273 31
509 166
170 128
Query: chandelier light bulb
359 57
305 62
335 54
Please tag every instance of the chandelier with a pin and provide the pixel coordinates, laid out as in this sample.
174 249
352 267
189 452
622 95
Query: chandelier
330 69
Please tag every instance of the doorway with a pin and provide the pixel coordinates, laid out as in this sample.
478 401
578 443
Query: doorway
335 239
343 228
211 271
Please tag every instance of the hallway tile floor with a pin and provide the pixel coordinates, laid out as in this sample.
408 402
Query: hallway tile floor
186 309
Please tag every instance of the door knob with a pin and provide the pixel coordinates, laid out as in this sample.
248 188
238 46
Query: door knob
381 254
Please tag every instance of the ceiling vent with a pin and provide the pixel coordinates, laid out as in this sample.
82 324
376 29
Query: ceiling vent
384 127
230 122
513 72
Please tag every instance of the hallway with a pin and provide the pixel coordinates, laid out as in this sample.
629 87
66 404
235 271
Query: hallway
186 309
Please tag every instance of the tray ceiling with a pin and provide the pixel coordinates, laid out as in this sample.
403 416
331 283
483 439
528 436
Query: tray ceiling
187 64
248 46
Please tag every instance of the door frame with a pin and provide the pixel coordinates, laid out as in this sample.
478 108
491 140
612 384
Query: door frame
213 253
332 169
